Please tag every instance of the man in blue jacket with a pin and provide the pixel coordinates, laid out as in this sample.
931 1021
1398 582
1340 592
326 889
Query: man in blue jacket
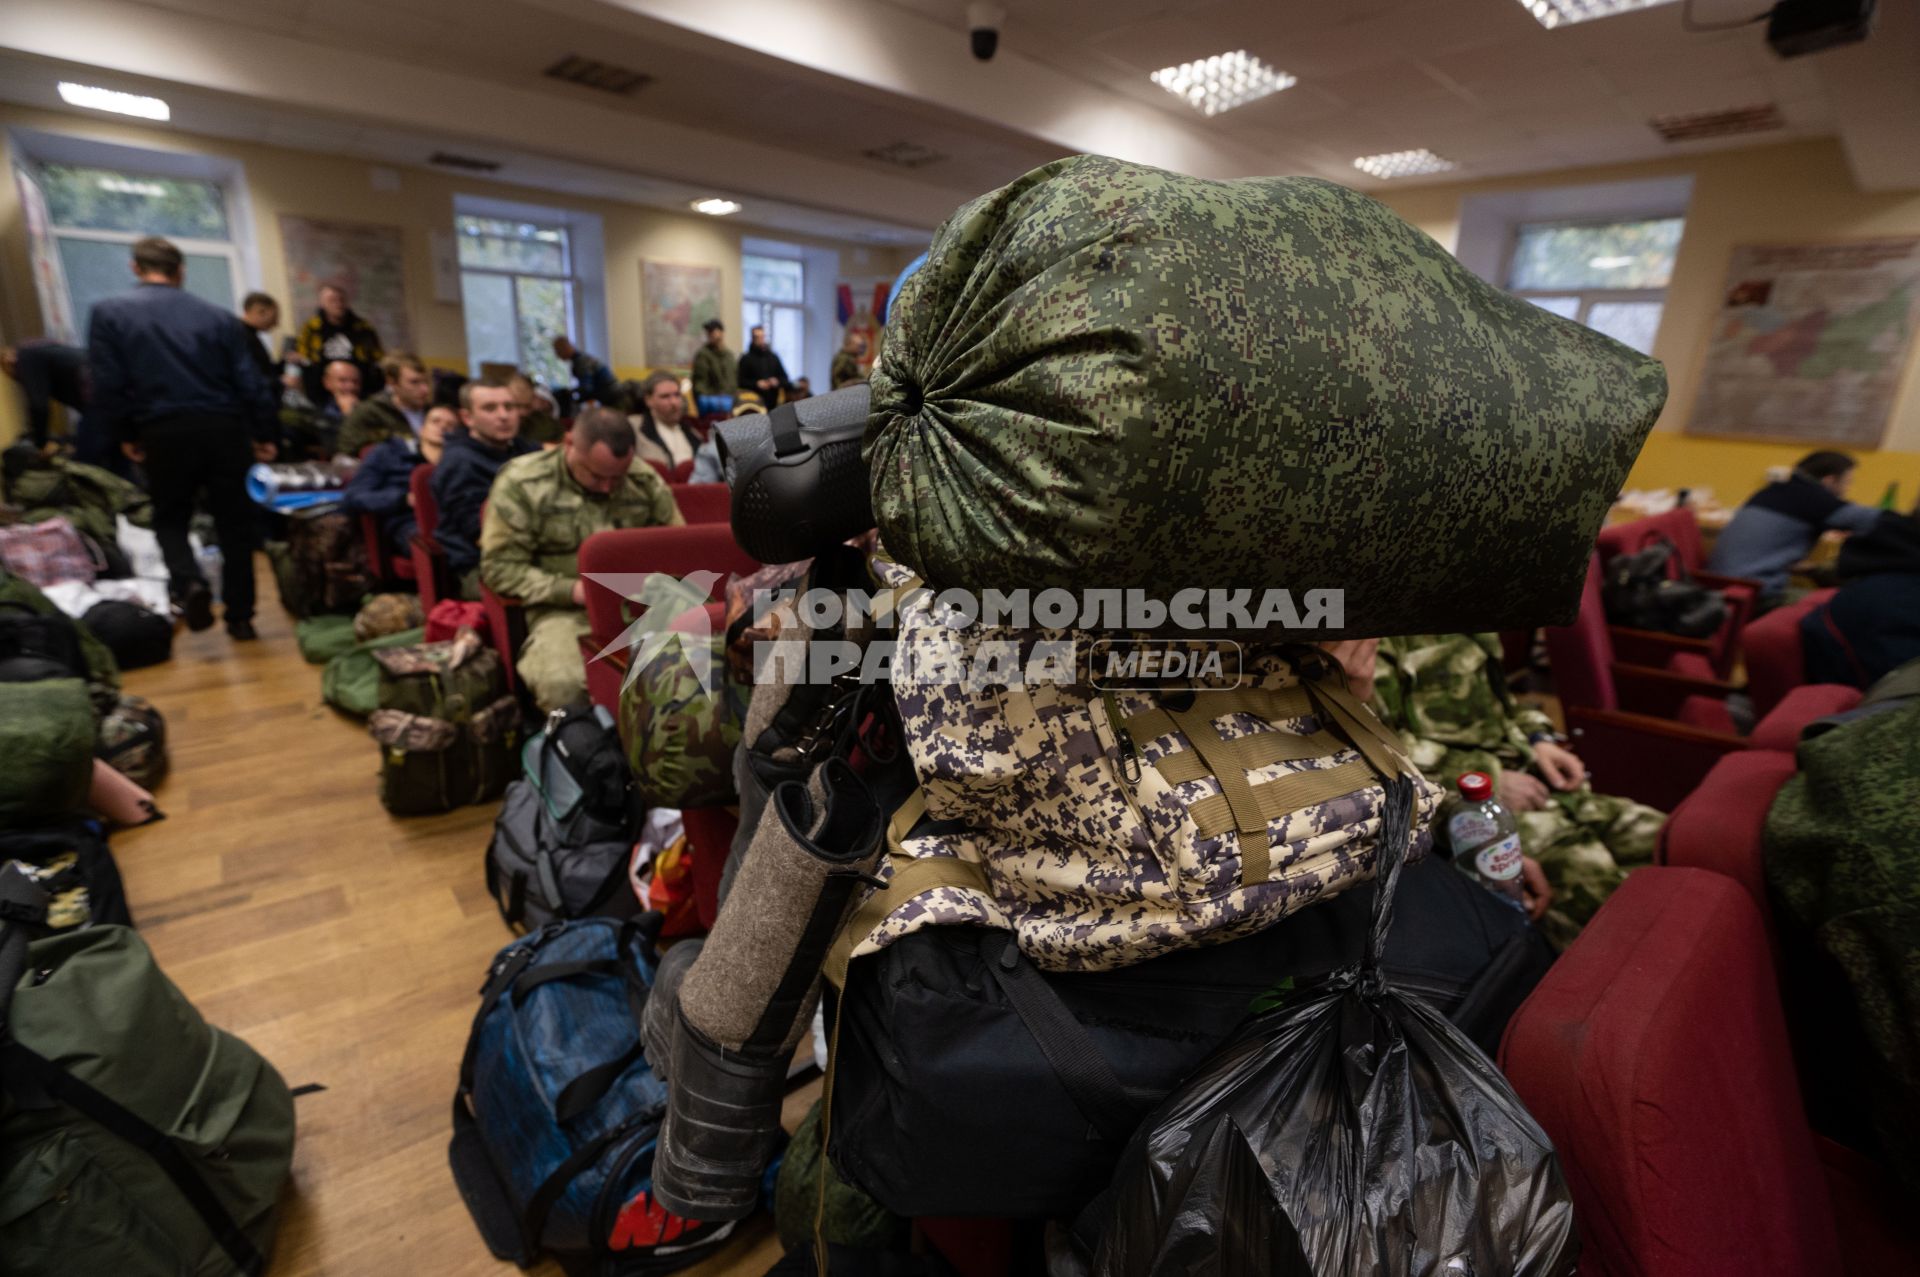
175 381
1779 524
383 485
464 477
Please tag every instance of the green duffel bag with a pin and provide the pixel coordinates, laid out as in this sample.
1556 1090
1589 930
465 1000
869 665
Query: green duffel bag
321 638
140 1140
1108 377
451 680
47 734
679 737
351 681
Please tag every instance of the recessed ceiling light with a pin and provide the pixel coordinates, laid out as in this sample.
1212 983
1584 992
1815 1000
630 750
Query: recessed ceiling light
715 207
1403 164
1222 82
99 99
1559 13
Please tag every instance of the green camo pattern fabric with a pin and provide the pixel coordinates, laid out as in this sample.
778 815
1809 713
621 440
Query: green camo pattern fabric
680 739
1110 376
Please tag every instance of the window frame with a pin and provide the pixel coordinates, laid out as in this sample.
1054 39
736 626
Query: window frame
766 306
1588 298
227 248
568 278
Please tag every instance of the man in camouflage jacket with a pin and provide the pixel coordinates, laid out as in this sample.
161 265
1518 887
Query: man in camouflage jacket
542 509
1447 696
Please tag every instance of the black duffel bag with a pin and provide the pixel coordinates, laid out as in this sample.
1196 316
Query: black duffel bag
969 1083
136 636
1643 592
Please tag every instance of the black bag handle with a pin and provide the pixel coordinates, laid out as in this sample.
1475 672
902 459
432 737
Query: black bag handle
1089 1080
590 1087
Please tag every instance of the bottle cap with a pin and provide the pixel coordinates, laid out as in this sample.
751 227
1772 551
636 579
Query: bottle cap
1476 787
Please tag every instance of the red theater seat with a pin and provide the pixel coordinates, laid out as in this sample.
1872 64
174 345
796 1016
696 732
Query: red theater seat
1776 662
1655 1055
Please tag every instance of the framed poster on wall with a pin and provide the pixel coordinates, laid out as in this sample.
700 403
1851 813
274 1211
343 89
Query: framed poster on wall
368 260
675 300
1810 342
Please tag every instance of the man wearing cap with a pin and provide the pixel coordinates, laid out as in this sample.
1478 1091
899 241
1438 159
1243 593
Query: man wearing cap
713 367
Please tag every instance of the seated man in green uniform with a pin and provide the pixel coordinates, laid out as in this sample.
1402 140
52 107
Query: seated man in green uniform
1447 696
542 508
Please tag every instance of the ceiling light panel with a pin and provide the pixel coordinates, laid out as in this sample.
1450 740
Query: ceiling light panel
1561 13
715 207
1222 82
99 99
1404 164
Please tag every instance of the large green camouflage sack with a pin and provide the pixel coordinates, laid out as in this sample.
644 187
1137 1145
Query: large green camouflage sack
1108 376
452 680
95 1017
679 733
1108 827
351 681
47 734
1843 862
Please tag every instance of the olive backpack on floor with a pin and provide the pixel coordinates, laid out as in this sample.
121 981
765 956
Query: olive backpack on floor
136 1140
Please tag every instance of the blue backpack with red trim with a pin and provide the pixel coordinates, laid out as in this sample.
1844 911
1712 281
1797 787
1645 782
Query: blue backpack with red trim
557 1114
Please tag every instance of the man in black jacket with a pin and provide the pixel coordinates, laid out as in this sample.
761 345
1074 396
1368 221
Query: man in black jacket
761 370
1871 626
176 384
464 477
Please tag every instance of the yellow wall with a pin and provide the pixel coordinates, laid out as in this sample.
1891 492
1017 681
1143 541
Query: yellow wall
1799 191
280 180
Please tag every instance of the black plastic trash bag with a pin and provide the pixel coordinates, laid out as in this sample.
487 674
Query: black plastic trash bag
1350 1130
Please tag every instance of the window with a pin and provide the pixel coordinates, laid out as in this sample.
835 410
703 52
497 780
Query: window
773 293
1610 276
517 288
96 214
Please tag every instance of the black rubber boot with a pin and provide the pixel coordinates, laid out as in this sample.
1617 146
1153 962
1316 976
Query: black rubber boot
663 1006
723 1124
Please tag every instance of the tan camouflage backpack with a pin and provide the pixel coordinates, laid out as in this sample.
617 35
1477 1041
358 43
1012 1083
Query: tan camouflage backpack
385 614
1106 828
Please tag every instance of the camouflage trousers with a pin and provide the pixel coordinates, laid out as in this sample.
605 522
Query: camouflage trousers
550 662
1587 843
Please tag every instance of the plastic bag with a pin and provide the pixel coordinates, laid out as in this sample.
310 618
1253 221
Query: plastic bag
1350 1130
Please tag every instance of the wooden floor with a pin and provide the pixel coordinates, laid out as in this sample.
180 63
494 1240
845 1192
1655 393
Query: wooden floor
346 945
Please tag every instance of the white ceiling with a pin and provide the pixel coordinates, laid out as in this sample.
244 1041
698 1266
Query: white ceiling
774 101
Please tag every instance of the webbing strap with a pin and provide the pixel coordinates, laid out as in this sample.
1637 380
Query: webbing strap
1285 796
1075 1057
1368 734
912 876
1276 704
1196 724
1250 753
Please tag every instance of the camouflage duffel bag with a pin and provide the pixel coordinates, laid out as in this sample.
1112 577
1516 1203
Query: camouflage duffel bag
1107 376
448 680
1109 827
133 741
430 765
680 723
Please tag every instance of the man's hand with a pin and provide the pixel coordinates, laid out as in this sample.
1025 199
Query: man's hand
134 453
579 592
1562 767
1358 658
1520 792
265 452
1538 892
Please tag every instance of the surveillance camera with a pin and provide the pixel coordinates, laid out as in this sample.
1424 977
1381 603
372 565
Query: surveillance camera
983 28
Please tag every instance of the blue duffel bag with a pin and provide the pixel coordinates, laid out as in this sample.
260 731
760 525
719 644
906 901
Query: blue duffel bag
557 1114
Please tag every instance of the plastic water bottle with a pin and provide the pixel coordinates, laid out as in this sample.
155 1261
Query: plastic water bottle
1485 839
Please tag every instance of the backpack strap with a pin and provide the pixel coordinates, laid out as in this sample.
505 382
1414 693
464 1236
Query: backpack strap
912 876
23 903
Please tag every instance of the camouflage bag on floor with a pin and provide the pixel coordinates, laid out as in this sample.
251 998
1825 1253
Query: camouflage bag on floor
133 741
430 765
448 680
1108 376
1108 827
323 565
385 614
